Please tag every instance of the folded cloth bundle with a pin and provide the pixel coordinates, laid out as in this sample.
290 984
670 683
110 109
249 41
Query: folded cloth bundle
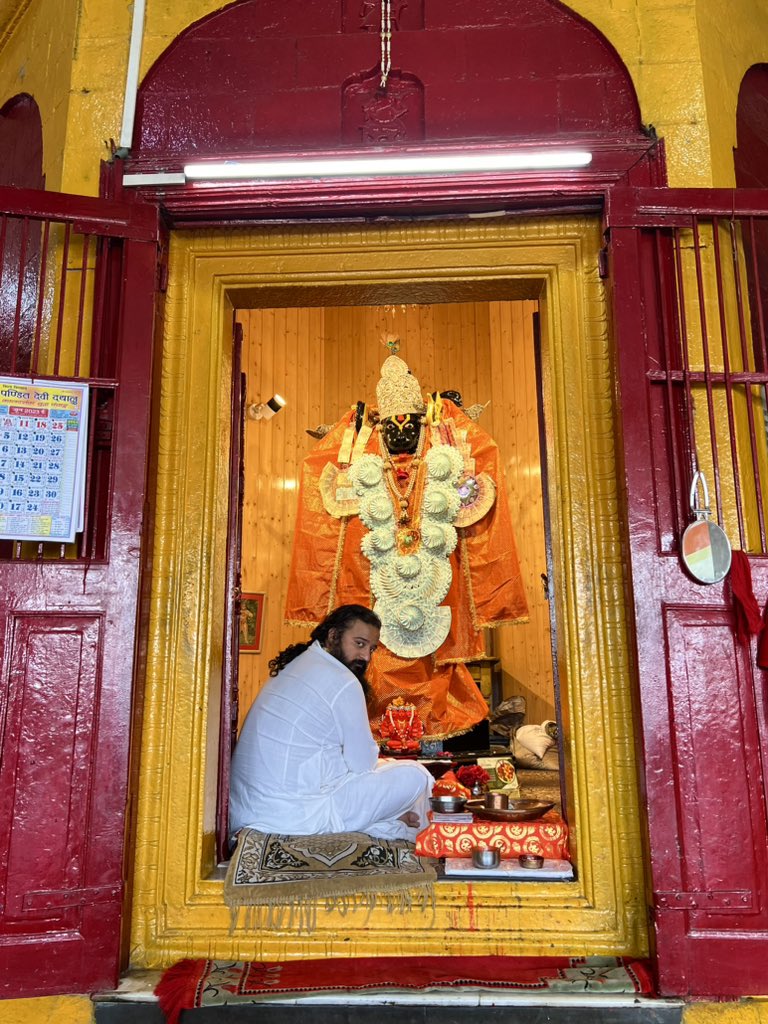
507 718
535 738
535 747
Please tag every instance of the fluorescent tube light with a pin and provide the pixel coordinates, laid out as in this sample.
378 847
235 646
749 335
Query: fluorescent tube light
447 163
153 178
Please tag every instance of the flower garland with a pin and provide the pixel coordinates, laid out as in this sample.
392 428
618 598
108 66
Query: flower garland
410 571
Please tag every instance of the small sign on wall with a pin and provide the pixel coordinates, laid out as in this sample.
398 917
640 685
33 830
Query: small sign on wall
251 622
43 433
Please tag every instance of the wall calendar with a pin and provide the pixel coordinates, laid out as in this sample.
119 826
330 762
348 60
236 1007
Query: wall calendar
43 435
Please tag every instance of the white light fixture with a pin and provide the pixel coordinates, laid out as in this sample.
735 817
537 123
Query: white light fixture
153 179
355 167
266 410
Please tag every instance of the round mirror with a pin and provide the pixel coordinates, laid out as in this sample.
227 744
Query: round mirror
706 551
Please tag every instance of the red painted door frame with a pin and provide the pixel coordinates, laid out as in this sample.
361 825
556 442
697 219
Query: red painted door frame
702 697
67 650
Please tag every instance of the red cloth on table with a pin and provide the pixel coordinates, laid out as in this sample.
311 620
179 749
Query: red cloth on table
745 608
547 837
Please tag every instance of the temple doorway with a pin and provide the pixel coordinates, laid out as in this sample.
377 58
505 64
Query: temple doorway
336 287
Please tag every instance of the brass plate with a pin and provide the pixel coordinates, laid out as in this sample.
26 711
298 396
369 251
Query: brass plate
518 810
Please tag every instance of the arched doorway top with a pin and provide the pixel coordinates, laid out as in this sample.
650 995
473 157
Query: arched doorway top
751 153
284 75
21 143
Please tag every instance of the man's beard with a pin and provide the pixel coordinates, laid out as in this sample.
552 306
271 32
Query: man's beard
356 665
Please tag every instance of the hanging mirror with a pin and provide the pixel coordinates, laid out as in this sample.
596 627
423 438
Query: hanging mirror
704 549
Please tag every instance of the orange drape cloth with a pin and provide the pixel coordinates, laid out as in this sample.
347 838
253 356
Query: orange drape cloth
328 570
546 837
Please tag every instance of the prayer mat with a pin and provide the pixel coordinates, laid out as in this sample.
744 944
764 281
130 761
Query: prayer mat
194 983
276 881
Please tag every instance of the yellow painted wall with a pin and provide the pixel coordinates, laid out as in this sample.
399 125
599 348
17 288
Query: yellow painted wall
656 39
36 48
685 59
49 1010
97 87
748 1011
730 44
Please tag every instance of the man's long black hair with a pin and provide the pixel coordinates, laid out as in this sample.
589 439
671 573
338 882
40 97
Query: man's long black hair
340 618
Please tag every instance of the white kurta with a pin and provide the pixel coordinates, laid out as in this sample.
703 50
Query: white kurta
306 762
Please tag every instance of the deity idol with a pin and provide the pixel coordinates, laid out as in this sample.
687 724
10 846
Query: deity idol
401 728
409 515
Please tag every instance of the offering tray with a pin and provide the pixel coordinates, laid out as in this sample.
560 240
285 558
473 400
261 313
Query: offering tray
518 810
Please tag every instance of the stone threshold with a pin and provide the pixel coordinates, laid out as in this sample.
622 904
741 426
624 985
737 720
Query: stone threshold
133 1002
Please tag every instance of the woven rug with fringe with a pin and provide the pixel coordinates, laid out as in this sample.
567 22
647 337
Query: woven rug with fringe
194 983
277 881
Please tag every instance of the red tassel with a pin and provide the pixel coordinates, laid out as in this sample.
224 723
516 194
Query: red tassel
177 989
745 609
762 642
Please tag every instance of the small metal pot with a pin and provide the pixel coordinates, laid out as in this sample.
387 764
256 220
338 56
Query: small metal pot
497 801
530 860
486 858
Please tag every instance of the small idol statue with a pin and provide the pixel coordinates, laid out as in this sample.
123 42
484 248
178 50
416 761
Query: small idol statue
401 728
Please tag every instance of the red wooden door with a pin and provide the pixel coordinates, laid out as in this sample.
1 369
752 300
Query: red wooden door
68 612
692 370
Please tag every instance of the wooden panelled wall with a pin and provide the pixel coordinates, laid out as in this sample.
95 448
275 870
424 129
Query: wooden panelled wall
322 360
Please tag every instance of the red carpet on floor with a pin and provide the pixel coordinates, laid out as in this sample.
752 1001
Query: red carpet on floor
193 983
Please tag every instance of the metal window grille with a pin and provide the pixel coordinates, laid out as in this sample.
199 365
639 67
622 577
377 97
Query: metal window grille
707 362
57 285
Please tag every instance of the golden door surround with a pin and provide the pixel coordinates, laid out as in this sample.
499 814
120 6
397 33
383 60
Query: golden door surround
178 909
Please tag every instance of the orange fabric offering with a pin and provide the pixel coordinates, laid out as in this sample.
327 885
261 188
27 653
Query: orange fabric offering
449 785
547 837
328 569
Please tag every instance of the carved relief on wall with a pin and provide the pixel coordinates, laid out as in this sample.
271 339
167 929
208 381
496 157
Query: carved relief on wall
371 115
365 15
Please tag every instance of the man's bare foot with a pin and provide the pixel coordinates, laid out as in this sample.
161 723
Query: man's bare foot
410 818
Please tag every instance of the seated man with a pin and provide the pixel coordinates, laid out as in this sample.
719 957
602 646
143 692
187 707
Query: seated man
306 762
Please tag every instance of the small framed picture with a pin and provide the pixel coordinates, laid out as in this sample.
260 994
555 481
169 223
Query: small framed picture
251 622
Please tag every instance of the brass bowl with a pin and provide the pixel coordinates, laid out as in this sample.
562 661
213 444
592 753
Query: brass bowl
531 860
497 801
486 858
447 804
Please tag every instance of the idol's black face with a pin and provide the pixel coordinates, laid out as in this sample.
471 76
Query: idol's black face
401 433
354 646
